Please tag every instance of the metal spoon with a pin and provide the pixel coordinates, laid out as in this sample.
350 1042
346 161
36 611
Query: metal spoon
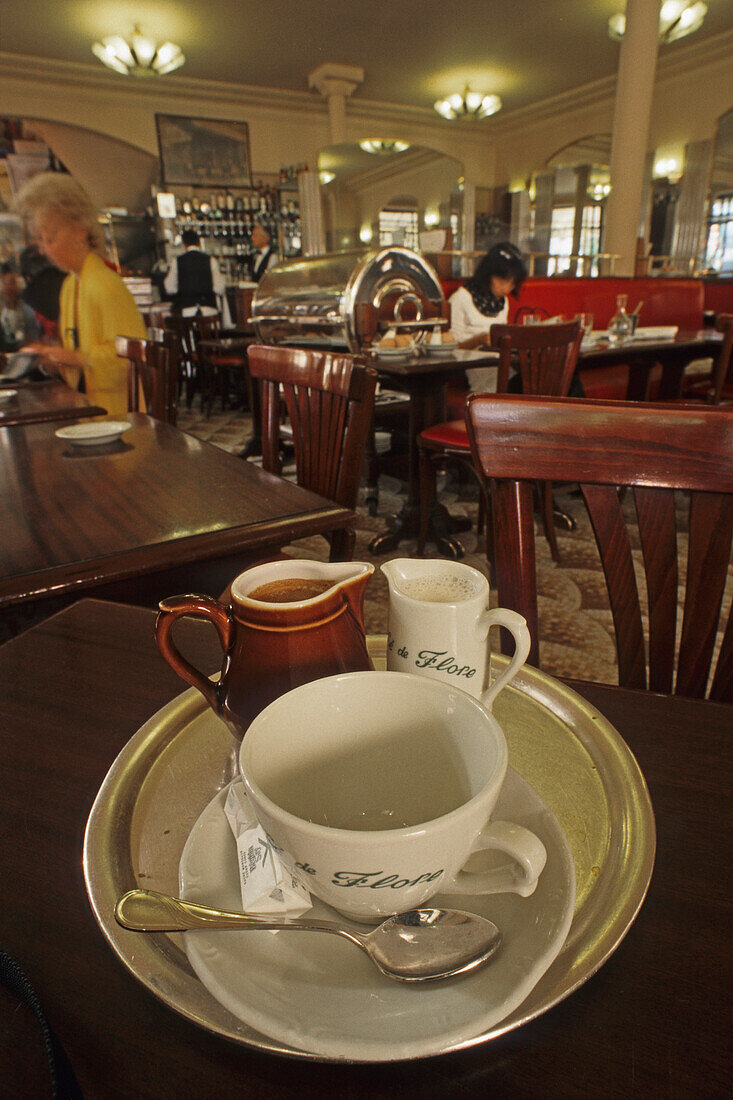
417 946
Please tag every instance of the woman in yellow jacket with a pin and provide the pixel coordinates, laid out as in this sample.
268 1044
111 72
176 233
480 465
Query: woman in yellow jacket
96 306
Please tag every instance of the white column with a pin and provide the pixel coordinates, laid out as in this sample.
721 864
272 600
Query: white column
311 214
336 83
468 263
634 91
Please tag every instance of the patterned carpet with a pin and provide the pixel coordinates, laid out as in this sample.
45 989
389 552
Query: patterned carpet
575 624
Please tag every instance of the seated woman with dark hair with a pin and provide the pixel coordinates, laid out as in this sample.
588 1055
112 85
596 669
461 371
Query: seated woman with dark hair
482 302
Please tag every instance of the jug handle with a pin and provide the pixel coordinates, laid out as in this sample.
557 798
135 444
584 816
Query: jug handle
517 627
199 607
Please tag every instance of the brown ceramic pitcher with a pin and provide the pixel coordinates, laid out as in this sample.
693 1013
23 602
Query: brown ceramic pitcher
271 647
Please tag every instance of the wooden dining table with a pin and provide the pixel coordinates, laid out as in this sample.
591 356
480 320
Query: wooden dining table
423 378
154 513
38 402
654 1021
674 354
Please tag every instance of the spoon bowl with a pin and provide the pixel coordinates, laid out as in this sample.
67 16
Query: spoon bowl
417 946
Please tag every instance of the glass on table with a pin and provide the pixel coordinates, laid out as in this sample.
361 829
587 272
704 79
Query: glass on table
586 323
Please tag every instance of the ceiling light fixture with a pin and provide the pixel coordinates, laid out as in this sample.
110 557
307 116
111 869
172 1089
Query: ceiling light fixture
677 19
471 105
140 56
383 148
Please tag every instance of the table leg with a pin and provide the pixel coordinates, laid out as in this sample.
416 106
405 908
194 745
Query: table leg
427 406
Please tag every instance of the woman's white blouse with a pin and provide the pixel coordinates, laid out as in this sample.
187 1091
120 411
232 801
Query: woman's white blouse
467 321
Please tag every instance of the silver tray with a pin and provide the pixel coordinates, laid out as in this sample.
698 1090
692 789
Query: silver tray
174 765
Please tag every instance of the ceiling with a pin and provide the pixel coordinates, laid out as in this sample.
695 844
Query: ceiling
412 52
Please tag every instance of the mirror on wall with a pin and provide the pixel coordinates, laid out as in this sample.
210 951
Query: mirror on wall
382 191
568 200
719 238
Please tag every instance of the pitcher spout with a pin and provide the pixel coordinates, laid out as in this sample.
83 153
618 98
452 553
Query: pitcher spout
353 586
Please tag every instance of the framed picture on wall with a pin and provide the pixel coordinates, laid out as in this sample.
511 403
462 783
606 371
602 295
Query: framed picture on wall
203 152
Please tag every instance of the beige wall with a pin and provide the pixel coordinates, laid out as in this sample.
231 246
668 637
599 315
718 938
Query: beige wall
284 128
693 89
689 97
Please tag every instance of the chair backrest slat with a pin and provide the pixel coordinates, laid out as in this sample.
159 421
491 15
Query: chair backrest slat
658 534
614 547
711 529
603 445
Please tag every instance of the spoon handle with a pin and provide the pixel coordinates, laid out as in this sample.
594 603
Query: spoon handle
149 911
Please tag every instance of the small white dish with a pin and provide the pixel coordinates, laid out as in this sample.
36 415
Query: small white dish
323 996
394 353
440 349
5 395
94 432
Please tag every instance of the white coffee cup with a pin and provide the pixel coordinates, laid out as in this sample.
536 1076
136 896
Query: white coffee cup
439 622
380 786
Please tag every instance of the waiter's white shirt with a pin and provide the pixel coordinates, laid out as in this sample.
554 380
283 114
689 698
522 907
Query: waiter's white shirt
218 285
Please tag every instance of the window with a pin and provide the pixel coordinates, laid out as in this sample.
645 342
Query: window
590 236
399 227
719 250
561 239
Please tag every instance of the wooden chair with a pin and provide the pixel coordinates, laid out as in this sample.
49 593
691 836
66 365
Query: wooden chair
194 371
654 448
150 375
329 401
546 356
717 386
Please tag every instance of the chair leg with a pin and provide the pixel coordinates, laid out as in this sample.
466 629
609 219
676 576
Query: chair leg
547 503
371 463
343 541
427 496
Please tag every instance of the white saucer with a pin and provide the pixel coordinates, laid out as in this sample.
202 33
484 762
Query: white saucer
322 995
93 432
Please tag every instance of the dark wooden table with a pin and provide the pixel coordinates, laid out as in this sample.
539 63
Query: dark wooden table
673 355
423 378
38 402
653 1022
139 515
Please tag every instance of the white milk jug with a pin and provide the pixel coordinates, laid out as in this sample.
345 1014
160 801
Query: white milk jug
439 621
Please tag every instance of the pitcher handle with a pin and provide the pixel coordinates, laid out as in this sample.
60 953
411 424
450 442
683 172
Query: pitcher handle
199 607
517 627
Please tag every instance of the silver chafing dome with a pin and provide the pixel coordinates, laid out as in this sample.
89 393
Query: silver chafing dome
348 298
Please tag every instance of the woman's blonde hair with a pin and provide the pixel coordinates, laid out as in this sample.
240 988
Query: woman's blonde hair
57 192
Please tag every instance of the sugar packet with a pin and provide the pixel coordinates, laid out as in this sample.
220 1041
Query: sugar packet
271 885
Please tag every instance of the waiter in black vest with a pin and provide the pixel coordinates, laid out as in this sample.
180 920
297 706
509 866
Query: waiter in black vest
195 280
265 255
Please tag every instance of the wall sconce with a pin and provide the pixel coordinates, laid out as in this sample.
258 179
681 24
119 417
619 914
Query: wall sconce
326 177
667 168
598 191
365 234
431 218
